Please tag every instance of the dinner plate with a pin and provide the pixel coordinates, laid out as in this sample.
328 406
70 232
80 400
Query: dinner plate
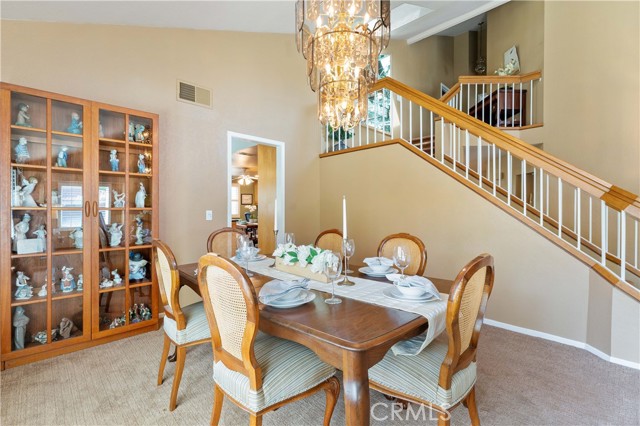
253 259
394 293
306 296
368 271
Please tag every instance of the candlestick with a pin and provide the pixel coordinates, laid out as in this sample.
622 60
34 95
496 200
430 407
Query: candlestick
345 280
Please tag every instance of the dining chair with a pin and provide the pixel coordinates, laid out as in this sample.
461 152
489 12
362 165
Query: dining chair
183 327
331 239
444 373
416 249
257 372
224 241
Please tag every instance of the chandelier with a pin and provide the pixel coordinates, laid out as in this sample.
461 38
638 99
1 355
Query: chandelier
341 41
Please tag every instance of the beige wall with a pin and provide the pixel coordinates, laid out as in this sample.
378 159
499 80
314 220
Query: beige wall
538 285
462 52
519 23
592 88
258 80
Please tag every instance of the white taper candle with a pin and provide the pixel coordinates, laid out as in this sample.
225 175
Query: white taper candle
275 215
344 217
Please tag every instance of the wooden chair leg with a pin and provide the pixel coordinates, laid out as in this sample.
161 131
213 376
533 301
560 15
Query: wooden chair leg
163 359
332 391
470 402
182 353
218 397
255 420
444 419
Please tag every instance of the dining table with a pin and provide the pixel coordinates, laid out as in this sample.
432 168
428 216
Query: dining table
351 336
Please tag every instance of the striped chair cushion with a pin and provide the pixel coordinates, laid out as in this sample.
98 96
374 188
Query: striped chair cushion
288 369
197 326
418 375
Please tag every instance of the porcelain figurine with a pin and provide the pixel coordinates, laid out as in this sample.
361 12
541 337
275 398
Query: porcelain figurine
117 279
100 130
23 118
117 322
23 290
139 133
53 286
21 229
62 156
137 267
76 125
68 282
67 327
28 186
77 236
55 199
22 151
106 283
41 337
43 290
142 167
113 159
20 321
115 232
140 196
131 131
140 232
80 283
118 199
145 312
41 234
16 196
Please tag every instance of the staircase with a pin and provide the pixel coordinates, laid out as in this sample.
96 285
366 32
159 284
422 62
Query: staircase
595 221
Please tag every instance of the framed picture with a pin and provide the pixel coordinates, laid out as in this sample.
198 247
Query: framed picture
246 199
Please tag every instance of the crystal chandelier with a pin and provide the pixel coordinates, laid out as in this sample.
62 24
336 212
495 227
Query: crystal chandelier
341 41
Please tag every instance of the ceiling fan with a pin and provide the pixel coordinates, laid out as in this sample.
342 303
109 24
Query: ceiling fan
245 179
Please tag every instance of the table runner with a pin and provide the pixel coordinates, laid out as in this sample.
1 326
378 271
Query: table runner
370 291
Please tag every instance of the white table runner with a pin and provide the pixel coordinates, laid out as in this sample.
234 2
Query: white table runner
370 291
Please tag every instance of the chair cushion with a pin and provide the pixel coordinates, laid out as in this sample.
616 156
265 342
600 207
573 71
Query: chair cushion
288 369
417 375
197 326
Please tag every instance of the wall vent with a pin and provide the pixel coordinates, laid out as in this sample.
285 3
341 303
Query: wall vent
193 94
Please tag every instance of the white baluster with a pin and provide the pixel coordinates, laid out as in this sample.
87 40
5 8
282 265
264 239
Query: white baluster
475 110
432 139
522 117
603 232
513 101
560 208
578 218
524 187
531 102
619 228
623 248
401 119
466 152
479 161
542 197
547 194
635 244
421 136
493 155
483 96
442 139
508 177
490 106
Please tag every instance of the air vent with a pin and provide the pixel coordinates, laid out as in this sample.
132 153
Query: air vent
193 94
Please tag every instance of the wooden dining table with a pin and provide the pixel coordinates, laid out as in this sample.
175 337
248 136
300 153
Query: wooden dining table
352 336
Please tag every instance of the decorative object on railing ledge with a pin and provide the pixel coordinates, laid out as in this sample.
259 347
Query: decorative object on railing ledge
341 41
481 63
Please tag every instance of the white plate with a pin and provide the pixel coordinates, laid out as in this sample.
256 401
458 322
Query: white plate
253 259
368 271
306 297
394 293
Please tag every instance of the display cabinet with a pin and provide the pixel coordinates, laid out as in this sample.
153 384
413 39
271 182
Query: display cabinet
78 210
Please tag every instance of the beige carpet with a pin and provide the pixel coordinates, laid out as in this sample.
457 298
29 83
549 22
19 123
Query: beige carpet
522 381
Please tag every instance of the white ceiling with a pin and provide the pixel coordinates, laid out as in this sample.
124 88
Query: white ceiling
239 15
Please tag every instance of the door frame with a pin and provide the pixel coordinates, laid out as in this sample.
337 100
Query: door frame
280 175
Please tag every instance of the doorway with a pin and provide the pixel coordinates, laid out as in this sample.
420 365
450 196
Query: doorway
255 182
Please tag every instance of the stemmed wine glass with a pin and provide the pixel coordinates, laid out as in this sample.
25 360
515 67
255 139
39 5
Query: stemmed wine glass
289 238
246 253
332 268
348 249
402 259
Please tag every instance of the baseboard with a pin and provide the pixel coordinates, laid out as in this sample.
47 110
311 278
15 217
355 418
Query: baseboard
564 341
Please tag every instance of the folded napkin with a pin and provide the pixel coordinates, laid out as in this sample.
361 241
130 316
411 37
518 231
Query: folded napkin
275 289
378 261
417 281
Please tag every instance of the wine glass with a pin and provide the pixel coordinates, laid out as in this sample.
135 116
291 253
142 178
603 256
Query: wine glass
332 268
348 249
402 259
246 253
289 238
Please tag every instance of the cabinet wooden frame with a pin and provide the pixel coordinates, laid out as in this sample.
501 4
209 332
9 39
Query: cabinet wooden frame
53 109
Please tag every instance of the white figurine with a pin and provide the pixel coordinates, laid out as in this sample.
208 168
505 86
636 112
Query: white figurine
80 282
67 283
131 130
140 196
55 199
16 196
106 283
23 289
100 130
23 118
140 232
21 229
118 199
115 231
62 156
113 160
117 280
20 321
28 186
142 166
41 234
43 290
77 235
22 151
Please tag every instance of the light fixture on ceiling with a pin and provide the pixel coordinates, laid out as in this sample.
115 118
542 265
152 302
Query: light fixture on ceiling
341 41
245 179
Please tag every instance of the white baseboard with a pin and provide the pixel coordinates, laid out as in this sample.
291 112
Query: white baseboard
564 341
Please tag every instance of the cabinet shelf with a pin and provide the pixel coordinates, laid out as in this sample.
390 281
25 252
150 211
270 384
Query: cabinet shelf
69 295
66 169
109 172
148 175
23 256
141 145
28 166
67 209
142 284
139 209
66 252
35 209
33 300
28 129
110 289
112 249
142 246
66 134
112 141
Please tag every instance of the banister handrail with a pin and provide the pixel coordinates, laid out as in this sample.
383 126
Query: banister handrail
451 93
489 79
534 156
